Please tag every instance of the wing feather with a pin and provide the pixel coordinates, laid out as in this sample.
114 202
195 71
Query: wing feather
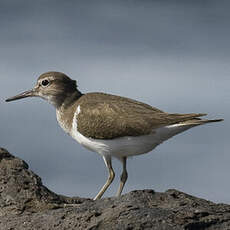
105 116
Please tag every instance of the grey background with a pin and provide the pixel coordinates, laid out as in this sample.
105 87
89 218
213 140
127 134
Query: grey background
173 55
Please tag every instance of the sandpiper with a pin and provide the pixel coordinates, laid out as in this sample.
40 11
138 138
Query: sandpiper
110 125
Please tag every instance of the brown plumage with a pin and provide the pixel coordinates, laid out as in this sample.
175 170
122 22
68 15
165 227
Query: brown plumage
111 125
105 116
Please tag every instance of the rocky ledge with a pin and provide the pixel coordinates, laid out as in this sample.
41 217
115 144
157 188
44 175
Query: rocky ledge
26 204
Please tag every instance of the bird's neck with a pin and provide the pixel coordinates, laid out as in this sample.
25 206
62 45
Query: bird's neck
71 98
63 101
65 112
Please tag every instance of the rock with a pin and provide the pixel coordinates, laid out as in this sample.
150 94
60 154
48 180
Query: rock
28 205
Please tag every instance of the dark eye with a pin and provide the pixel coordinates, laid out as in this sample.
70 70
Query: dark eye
45 82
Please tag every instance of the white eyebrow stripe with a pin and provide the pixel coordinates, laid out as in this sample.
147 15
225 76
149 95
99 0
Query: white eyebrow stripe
47 78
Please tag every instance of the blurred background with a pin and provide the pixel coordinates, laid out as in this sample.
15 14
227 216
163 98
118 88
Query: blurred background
173 55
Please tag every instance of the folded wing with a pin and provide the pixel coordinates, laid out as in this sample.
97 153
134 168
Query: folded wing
104 116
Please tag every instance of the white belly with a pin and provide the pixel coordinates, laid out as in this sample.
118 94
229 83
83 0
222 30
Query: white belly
118 147
128 145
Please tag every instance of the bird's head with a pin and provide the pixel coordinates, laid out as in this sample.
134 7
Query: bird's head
54 87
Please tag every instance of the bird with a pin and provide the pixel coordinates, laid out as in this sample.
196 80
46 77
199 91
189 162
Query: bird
110 125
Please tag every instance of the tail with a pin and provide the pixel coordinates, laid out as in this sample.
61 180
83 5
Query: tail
169 131
199 121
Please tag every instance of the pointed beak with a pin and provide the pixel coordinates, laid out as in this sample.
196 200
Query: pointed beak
29 93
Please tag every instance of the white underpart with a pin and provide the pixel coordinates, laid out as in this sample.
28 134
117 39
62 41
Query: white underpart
48 98
128 145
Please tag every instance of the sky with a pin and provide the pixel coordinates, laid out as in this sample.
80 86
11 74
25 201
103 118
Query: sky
172 54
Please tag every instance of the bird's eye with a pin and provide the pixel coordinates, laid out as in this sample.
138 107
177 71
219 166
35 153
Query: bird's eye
45 82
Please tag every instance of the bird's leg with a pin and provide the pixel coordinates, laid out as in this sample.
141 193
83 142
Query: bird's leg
108 163
124 176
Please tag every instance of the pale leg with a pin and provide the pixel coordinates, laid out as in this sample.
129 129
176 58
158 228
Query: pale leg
108 163
124 176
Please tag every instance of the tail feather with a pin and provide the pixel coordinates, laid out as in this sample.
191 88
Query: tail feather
198 121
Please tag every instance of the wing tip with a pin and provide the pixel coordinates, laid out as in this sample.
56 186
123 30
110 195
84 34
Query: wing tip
216 120
201 114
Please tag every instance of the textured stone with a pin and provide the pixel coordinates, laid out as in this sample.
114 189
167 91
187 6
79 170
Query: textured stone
26 204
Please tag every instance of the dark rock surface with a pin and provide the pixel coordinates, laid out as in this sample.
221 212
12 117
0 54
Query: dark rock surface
26 204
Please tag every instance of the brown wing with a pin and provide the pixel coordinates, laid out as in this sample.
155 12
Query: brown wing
105 116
